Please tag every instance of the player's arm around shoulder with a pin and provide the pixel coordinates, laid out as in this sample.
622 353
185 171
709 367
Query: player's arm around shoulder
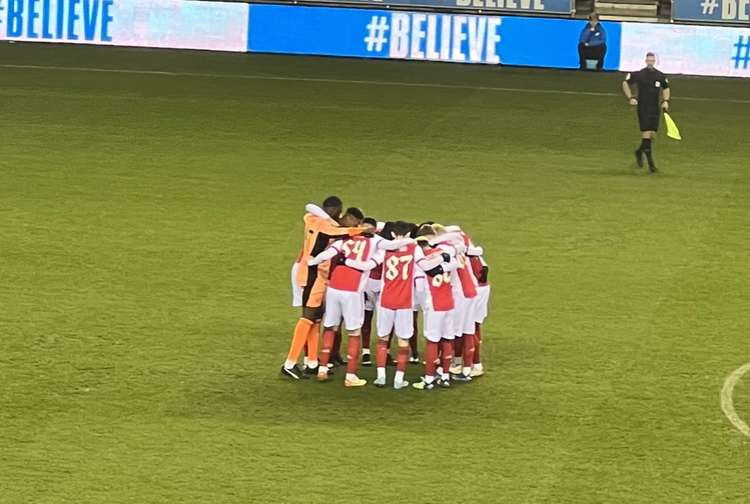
329 253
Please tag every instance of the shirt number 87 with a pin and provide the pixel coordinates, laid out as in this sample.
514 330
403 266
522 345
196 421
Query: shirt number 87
392 267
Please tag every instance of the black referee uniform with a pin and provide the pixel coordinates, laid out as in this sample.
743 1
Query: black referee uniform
649 82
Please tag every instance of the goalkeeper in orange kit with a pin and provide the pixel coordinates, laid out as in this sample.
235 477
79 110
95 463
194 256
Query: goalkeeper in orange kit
320 227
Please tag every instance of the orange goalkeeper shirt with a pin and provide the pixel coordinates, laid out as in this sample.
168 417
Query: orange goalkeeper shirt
318 234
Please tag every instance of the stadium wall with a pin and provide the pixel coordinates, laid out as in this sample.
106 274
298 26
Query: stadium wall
371 33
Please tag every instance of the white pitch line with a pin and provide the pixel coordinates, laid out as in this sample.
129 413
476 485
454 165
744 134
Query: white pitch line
727 400
351 81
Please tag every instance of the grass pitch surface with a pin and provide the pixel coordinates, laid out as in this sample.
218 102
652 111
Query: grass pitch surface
148 222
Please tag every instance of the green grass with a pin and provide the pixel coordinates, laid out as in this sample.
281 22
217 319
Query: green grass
147 227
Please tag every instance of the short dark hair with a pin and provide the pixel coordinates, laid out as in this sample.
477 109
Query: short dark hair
401 228
332 202
370 220
413 228
387 229
355 212
650 54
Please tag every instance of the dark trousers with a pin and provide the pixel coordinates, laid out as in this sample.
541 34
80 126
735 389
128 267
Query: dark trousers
592 52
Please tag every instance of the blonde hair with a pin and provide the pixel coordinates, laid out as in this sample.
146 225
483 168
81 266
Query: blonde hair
438 228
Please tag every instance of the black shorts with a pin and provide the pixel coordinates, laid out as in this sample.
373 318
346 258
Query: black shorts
313 293
648 119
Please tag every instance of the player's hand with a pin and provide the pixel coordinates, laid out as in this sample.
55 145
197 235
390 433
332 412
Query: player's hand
356 231
634 101
665 105
437 270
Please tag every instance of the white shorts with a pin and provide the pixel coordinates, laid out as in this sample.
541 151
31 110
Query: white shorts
296 289
463 315
372 294
344 305
481 303
438 325
401 320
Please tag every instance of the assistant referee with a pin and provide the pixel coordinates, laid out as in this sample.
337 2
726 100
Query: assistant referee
652 96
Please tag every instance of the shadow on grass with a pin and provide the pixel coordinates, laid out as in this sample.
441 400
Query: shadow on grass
270 400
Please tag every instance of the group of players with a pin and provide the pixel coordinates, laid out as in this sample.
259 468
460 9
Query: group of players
352 269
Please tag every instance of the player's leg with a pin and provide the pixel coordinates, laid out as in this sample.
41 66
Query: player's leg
354 315
299 337
467 327
404 328
331 322
459 309
370 304
316 307
388 359
366 332
431 325
311 349
414 351
446 348
419 303
483 295
329 333
386 319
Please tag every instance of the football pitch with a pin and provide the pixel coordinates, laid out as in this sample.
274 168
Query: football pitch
150 210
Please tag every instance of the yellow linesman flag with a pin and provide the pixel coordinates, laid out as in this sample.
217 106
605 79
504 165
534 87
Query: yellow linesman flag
672 131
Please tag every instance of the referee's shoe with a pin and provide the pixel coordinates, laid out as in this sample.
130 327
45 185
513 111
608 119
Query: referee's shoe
639 158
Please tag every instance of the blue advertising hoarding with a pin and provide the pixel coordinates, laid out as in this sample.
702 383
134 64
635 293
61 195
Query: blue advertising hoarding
712 11
519 6
176 24
377 33
457 38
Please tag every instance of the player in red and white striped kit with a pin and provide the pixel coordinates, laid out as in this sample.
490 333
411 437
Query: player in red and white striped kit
438 307
372 293
481 270
395 306
345 297
466 296
464 290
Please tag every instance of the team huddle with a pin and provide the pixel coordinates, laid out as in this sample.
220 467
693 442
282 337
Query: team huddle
353 269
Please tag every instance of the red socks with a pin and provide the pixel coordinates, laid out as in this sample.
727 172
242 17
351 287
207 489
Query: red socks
447 347
382 353
402 359
458 346
431 358
325 355
352 354
469 349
